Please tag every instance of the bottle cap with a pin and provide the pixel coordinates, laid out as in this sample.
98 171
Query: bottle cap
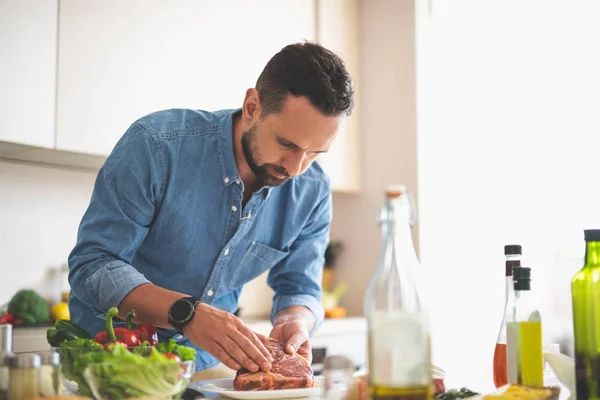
521 274
26 360
337 362
510 249
522 278
5 357
50 358
592 235
394 191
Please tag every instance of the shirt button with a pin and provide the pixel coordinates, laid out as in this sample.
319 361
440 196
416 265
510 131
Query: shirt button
226 180
226 251
233 208
237 181
210 293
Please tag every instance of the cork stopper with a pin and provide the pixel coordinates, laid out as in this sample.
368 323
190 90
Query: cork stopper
394 191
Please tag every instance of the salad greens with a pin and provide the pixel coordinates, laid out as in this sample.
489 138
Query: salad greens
119 373
123 374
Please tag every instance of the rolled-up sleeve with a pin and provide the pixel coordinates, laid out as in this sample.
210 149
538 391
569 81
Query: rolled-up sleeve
126 195
297 279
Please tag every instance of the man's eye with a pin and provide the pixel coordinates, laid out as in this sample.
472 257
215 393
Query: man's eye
287 145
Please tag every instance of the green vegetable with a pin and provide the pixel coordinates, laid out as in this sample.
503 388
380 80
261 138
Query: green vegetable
55 337
71 351
185 353
65 330
123 374
452 394
29 307
72 327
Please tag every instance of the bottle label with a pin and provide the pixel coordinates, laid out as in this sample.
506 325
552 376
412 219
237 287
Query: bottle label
399 349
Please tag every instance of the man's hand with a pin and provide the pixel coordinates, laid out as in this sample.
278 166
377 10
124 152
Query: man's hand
227 338
294 336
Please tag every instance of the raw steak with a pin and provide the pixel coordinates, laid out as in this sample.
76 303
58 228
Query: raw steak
287 372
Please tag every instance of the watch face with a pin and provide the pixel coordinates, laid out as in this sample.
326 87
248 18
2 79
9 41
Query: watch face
182 310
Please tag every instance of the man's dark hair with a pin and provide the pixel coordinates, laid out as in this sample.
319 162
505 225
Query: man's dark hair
309 70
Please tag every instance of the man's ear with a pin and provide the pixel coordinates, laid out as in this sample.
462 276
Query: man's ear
251 110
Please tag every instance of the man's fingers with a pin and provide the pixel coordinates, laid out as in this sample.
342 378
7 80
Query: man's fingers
252 350
219 352
305 351
242 352
294 342
257 339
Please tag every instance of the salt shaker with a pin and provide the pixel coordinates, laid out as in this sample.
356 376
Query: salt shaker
339 380
50 374
5 358
24 382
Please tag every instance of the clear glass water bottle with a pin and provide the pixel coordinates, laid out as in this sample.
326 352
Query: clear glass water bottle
399 350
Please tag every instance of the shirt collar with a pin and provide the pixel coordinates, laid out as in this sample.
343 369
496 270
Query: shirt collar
229 171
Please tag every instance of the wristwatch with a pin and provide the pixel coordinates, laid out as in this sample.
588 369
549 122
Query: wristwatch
182 312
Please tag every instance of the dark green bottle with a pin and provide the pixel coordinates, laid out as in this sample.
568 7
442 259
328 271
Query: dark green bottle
586 320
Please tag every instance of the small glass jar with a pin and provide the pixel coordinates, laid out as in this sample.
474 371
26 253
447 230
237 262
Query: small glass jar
24 380
5 358
339 380
50 374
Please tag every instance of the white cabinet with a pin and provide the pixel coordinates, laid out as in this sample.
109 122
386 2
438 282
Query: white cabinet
28 32
121 60
338 29
75 74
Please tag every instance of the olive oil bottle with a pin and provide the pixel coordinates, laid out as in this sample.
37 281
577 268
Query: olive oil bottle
399 355
525 360
585 289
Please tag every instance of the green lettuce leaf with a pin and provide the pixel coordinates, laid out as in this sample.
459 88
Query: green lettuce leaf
185 353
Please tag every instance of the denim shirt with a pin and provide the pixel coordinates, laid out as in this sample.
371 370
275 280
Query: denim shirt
167 209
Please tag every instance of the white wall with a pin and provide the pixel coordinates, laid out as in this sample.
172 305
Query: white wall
508 138
40 211
389 152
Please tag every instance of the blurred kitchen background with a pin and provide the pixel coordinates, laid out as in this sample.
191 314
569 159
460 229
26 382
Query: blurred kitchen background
488 111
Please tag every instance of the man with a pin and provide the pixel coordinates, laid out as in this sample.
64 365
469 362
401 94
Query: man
191 205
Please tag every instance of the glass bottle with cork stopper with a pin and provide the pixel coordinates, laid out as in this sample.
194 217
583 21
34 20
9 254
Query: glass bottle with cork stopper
513 253
399 354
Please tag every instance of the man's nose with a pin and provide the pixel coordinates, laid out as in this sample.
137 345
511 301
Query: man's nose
293 163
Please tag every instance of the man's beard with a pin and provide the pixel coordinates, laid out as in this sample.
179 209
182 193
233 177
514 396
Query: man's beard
262 172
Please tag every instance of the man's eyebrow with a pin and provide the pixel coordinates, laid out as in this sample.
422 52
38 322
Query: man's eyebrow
287 143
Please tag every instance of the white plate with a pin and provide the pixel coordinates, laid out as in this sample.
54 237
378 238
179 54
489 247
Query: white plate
224 387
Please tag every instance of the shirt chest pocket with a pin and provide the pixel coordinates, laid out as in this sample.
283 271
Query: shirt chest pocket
258 259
